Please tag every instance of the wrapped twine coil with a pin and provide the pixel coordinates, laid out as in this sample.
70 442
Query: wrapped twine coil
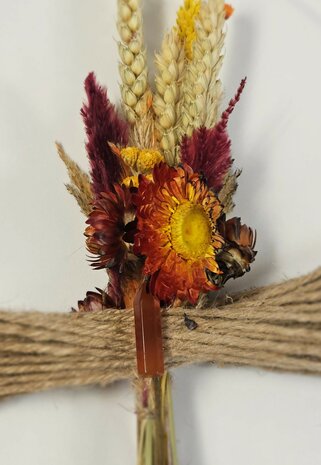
276 327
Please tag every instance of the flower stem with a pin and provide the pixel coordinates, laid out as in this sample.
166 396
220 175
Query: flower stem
155 421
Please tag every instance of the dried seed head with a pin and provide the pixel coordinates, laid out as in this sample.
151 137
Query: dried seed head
159 105
133 4
141 107
168 141
138 65
130 115
160 85
125 34
126 55
129 97
167 77
170 94
140 85
168 118
135 46
125 12
127 75
134 23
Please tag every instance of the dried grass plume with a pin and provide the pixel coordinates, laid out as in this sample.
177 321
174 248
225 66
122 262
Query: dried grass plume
79 185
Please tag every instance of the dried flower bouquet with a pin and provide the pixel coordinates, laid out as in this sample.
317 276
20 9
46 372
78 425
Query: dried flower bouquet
161 184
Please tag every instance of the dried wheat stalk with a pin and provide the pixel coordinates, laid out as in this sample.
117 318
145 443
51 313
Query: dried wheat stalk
201 88
133 63
170 68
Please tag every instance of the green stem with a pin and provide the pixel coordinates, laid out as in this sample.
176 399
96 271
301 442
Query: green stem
171 425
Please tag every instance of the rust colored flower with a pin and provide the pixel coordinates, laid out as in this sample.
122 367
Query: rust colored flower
238 252
106 230
177 232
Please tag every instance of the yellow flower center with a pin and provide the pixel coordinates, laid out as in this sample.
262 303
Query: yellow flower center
191 232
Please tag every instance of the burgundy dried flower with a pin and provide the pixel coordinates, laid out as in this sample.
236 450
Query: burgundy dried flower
208 151
95 301
103 125
238 252
107 227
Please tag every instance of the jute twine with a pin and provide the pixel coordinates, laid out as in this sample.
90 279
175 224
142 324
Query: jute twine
276 327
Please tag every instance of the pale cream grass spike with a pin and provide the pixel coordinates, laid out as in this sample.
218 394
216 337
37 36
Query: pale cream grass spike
201 88
80 186
133 62
170 68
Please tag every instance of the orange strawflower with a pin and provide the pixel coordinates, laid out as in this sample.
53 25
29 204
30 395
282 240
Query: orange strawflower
177 232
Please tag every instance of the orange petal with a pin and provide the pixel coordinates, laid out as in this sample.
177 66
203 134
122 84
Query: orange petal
229 10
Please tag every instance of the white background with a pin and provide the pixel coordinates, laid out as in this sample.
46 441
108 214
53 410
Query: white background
224 416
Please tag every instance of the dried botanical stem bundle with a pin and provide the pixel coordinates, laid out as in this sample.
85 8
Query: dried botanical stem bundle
155 422
161 183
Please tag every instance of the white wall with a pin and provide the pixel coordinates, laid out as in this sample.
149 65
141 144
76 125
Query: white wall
224 416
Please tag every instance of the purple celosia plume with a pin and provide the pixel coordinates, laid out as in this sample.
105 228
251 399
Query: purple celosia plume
103 125
208 151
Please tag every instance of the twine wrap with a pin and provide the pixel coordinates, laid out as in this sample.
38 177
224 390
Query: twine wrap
276 327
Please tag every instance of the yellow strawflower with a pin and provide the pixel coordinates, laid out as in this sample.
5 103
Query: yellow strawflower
129 155
141 161
147 159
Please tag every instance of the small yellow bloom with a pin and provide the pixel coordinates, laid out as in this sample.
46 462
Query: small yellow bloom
141 161
186 17
147 159
129 155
